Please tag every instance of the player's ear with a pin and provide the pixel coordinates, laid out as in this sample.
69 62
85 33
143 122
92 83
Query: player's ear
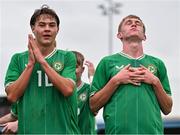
32 28
58 30
144 37
119 35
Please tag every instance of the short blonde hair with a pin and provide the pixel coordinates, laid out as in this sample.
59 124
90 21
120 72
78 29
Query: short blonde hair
131 16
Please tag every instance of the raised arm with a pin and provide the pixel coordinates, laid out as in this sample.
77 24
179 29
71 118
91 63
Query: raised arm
64 85
16 89
91 70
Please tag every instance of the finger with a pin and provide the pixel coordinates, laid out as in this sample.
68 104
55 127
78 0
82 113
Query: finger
30 41
30 37
2 125
142 67
137 77
30 49
139 72
88 63
4 129
136 74
127 66
135 83
33 42
132 69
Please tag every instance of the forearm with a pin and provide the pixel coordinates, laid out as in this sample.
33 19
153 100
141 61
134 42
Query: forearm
4 119
99 99
7 118
64 85
17 88
165 101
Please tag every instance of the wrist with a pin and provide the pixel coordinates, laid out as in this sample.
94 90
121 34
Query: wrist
30 65
155 81
115 80
43 62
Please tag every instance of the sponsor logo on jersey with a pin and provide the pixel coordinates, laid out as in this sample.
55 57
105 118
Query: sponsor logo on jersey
119 68
152 68
83 96
58 66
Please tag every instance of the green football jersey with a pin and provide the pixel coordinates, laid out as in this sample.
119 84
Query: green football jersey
43 109
86 118
131 109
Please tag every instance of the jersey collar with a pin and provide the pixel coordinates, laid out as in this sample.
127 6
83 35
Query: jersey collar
51 54
130 57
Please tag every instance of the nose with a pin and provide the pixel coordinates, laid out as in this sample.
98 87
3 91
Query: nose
47 28
133 24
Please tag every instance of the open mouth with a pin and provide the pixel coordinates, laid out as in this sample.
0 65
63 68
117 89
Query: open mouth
47 36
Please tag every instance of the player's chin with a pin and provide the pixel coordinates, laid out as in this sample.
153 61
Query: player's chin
47 42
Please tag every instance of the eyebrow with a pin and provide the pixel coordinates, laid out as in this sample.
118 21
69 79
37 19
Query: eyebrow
130 19
42 22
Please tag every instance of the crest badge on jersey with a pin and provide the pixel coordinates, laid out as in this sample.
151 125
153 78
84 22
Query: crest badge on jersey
83 96
58 66
152 68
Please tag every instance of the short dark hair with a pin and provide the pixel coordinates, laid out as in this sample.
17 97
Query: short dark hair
131 16
43 10
79 58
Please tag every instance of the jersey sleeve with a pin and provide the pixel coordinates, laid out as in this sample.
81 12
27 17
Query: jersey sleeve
13 71
14 110
164 77
100 77
70 67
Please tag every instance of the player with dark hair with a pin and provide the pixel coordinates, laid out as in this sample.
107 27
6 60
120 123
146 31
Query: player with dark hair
42 79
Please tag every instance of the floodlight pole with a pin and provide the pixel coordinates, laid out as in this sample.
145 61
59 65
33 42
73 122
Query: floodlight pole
110 10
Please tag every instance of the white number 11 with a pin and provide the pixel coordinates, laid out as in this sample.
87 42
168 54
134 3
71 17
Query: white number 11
47 83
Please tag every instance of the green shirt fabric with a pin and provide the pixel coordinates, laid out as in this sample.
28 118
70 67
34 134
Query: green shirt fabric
43 109
131 109
86 118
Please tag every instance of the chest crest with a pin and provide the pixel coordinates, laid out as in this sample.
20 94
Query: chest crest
58 66
152 68
83 96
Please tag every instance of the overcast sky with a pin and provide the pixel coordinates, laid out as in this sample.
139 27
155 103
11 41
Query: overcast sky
85 29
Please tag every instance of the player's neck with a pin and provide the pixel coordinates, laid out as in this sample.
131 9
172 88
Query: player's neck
46 50
134 49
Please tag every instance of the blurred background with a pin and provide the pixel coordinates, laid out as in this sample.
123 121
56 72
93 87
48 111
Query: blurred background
90 26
